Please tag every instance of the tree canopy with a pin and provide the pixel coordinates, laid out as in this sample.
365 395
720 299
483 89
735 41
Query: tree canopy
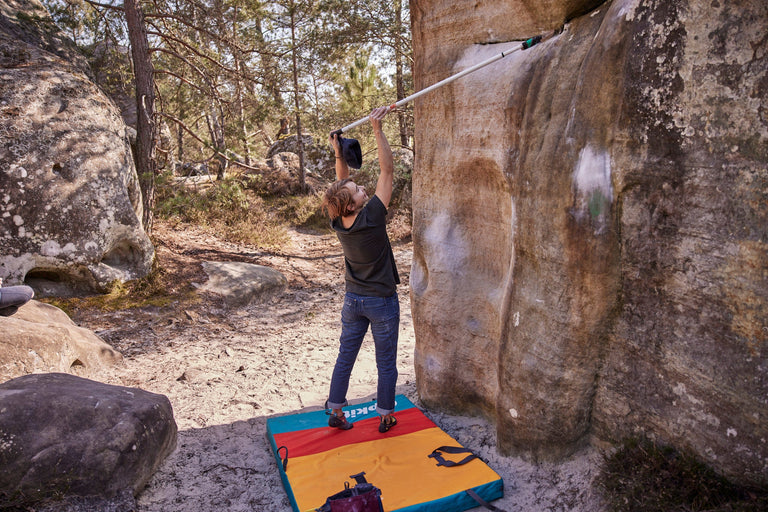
230 76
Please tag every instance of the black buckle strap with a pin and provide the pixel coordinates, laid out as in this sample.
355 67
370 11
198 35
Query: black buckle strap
285 459
437 454
481 501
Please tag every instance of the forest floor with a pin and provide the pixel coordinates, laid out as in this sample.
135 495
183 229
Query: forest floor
227 370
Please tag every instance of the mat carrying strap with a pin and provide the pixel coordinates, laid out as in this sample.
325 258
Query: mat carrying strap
285 459
437 454
482 502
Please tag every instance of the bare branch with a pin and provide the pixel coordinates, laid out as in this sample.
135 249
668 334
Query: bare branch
207 144
208 58
181 78
203 30
203 75
105 6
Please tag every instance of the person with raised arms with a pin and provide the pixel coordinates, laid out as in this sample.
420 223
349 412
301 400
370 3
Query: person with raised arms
370 275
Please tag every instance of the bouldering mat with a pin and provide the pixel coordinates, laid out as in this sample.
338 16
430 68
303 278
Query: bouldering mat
315 460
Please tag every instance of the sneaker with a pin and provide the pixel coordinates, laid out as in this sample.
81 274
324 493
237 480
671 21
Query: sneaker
385 425
339 422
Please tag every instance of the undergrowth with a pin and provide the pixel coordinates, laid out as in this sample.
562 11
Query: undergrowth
226 208
300 211
642 476
155 289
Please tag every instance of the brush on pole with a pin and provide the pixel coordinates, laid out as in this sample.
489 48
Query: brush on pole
528 43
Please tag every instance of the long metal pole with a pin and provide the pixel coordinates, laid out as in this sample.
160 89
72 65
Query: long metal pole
524 46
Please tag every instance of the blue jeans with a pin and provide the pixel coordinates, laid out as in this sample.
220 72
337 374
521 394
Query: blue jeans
383 315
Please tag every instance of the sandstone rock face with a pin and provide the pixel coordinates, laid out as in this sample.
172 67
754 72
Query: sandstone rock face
40 338
591 224
70 205
28 21
64 435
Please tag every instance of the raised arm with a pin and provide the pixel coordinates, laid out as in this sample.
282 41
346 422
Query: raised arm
342 169
386 163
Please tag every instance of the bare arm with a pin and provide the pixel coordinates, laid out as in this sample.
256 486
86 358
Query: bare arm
342 169
386 163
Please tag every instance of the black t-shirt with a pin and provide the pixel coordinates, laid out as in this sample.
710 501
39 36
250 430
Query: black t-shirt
368 258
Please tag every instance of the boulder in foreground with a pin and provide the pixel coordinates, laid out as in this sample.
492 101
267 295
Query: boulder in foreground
62 435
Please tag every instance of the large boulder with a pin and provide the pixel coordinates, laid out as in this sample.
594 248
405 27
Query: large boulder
318 158
591 224
70 203
41 338
28 21
241 283
63 435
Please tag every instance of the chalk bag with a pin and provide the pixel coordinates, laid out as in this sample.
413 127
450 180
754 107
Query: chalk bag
363 497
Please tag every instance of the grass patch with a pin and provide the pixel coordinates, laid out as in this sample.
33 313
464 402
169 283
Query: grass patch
155 289
301 212
226 208
644 477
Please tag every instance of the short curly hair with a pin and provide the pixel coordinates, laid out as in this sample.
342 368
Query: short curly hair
337 199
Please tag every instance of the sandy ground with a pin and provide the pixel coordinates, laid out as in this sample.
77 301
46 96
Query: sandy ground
226 370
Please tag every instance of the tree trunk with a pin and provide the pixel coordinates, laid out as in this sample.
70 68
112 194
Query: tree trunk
239 73
180 142
242 126
401 114
215 120
146 165
299 139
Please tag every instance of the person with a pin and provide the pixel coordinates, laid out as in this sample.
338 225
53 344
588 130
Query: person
371 279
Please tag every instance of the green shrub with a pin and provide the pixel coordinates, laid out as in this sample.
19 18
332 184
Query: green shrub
156 289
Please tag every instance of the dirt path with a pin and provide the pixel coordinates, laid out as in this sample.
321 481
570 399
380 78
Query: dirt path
227 370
